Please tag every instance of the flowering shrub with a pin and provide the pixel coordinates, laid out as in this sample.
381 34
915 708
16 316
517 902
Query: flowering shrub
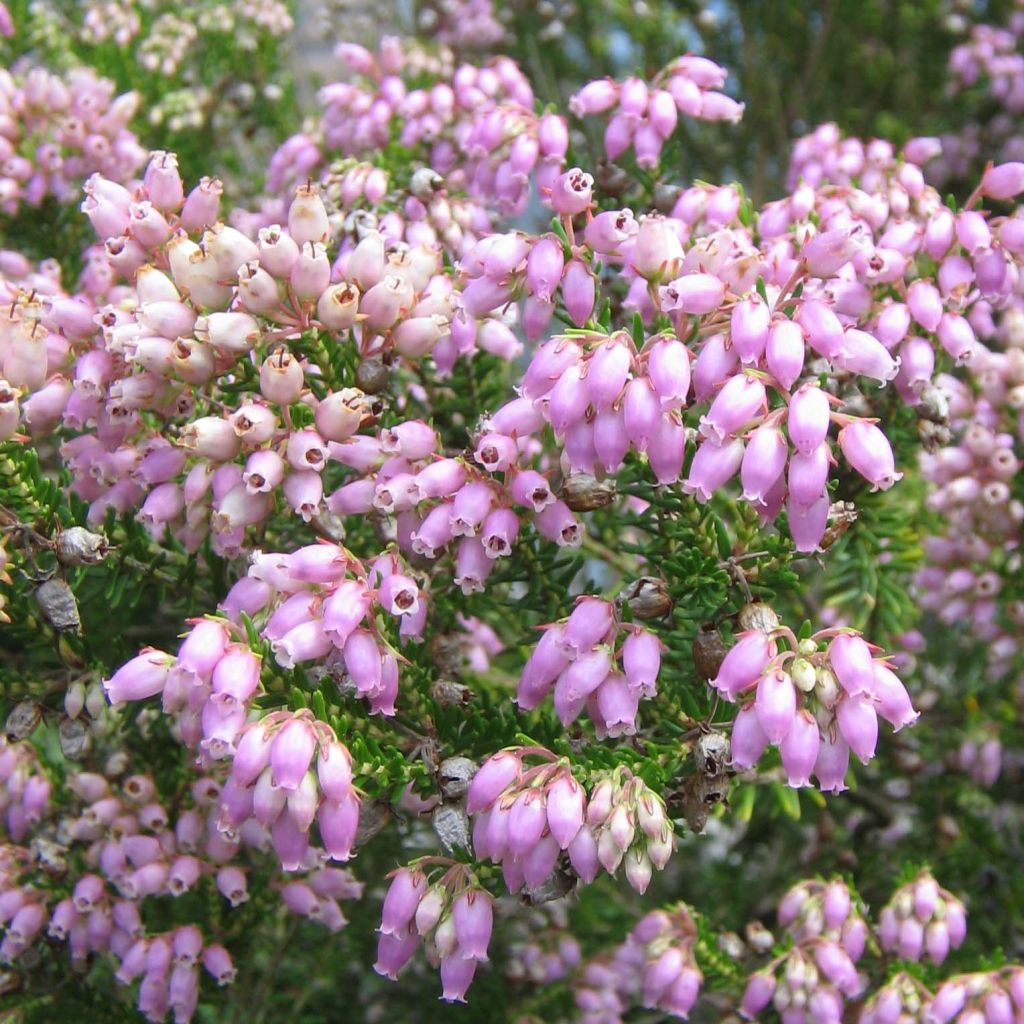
458 528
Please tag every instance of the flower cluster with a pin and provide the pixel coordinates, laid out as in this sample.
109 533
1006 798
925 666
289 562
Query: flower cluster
55 131
816 701
579 658
109 849
655 968
644 115
922 919
453 916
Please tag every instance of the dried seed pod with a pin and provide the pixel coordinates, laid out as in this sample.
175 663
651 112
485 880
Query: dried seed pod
666 197
451 823
732 945
611 179
708 650
557 885
934 405
373 816
448 652
841 516
454 775
758 616
699 794
50 856
448 693
58 603
116 764
711 753
10 982
75 738
933 435
78 546
647 598
759 939
22 721
584 493
372 376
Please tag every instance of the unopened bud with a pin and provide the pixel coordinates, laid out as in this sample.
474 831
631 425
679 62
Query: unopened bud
78 546
804 675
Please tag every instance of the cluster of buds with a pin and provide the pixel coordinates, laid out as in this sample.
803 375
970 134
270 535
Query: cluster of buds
922 920
210 686
903 998
604 399
824 910
273 780
816 701
526 815
169 966
89 874
548 952
474 125
24 789
981 758
644 115
963 578
55 131
578 659
320 604
655 967
626 824
989 996
813 979
453 915
811 982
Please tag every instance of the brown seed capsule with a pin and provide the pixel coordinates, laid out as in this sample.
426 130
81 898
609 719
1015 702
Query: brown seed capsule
50 856
10 982
584 493
75 738
22 721
451 824
732 945
708 651
666 197
611 179
759 939
559 883
79 546
454 775
372 376
647 597
448 693
933 435
841 516
373 817
447 651
711 753
699 794
758 616
59 606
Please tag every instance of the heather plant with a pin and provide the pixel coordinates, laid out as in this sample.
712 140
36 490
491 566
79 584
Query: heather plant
461 554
